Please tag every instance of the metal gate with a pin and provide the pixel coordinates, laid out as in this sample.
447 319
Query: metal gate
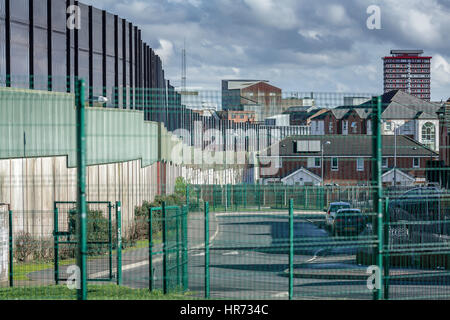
103 240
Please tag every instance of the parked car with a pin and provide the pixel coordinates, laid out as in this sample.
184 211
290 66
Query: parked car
332 209
422 202
348 222
418 233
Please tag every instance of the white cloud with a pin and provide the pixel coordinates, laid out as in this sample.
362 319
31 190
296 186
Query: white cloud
274 13
165 51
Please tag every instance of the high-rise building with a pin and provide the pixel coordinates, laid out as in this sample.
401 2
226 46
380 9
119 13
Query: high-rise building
409 71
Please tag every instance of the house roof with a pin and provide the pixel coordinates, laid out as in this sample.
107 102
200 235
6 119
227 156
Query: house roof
356 146
305 171
398 104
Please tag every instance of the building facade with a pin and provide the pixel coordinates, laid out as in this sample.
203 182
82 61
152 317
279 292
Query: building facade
347 160
409 71
39 49
251 95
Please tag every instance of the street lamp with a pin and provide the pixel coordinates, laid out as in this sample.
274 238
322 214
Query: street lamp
321 161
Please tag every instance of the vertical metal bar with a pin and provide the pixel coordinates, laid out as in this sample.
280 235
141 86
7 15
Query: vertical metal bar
177 232
207 276
119 241
185 249
56 245
81 185
378 199
11 248
164 240
150 249
110 248
291 249
386 251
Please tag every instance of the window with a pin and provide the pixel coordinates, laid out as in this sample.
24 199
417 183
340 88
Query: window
360 164
388 126
428 135
314 162
384 163
416 163
334 164
330 127
354 127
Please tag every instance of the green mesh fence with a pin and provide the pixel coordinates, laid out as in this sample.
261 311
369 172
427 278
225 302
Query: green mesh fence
302 197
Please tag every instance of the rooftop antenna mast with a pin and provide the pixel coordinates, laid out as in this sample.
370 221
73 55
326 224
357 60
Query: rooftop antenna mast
183 80
183 68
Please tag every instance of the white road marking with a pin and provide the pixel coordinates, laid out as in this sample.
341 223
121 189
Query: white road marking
231 253
281 295
315 256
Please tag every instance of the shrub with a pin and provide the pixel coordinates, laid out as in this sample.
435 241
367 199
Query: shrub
25 246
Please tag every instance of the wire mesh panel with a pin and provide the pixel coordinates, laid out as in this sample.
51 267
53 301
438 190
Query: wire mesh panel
101 241
4 246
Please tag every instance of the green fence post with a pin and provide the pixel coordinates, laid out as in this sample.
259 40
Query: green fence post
386 249
378 198
291 249
81 192
164 240
177 246
150 249
110 247
56 245
185 249
119 241
11 248
207 285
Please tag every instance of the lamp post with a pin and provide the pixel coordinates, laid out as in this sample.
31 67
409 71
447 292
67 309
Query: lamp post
321 161
395 155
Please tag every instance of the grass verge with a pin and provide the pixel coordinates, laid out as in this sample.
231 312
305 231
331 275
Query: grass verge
95 292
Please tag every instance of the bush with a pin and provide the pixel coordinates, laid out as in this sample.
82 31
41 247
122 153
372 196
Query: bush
97 231
25 246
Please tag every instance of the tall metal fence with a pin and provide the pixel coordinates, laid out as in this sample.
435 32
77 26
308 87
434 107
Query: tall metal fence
105 203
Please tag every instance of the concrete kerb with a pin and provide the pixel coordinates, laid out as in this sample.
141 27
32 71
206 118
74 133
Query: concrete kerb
361 274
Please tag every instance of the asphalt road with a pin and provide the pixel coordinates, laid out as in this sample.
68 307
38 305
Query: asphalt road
249 259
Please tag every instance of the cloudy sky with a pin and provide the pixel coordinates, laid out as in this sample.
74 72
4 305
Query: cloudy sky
298 45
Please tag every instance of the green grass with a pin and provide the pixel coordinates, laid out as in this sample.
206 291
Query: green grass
22 269
95 292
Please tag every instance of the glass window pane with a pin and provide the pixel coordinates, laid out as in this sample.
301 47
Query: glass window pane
109 34
83 32
19 10
59 15
98 75
83 61
110 80
59 62
40 59
97 36
2 9
40 13
19 55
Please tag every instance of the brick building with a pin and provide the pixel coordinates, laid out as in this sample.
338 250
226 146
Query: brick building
347 160
251 95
